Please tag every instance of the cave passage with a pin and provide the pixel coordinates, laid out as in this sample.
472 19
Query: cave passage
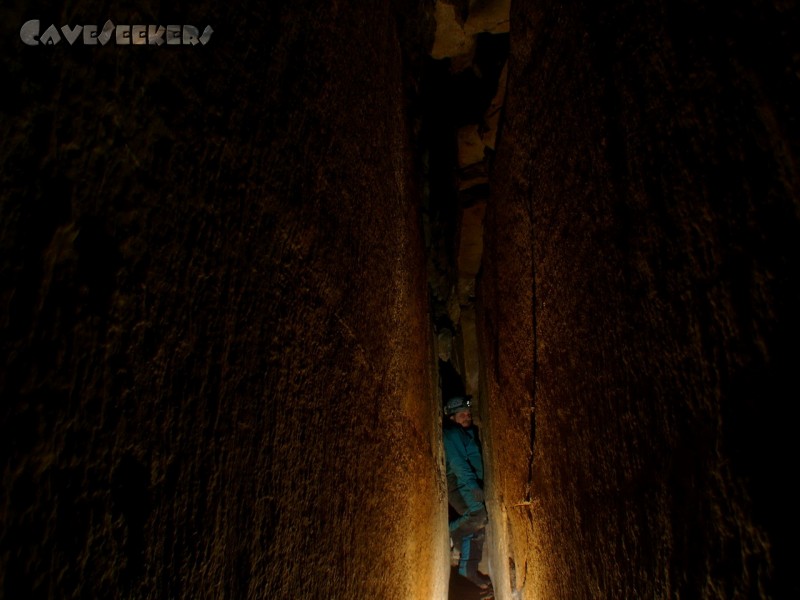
459 107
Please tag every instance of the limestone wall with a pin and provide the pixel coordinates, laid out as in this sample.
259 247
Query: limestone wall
639 297
217 369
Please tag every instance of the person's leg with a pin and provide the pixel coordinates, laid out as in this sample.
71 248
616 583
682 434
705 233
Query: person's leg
454 497
466 549
471 555
457 503
466 524
468 532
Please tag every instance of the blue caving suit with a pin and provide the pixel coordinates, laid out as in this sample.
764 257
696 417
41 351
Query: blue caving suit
465 494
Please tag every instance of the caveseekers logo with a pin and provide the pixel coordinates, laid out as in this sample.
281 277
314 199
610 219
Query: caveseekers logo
122 35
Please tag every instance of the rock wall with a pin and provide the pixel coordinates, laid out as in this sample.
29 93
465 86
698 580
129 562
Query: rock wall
217 367
638 302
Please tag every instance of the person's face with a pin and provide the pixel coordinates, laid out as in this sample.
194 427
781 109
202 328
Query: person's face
463 418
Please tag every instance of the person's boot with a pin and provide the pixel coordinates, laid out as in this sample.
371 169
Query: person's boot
487 593
484 584
481 580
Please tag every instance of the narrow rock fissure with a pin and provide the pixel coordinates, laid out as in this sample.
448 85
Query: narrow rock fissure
461 94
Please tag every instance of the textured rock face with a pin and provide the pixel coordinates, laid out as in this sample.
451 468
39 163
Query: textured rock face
639 295
218 373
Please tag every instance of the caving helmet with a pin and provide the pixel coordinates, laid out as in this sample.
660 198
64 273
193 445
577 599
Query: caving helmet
457 404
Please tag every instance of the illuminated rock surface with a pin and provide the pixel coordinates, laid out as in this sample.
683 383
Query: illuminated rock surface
218 364
639 291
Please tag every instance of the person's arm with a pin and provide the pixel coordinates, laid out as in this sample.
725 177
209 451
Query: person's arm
473 454
459 460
